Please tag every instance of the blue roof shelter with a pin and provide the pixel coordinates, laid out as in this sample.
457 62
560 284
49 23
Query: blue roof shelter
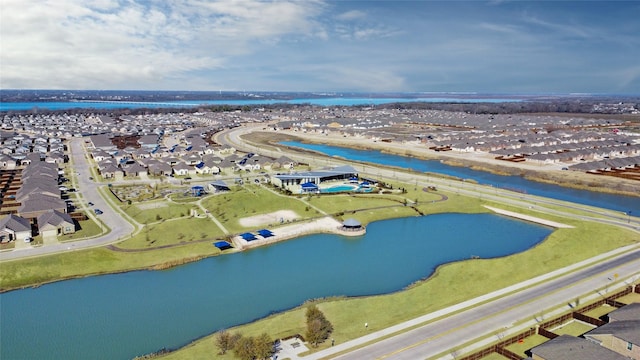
222 245
265 233
248 236
309 187
197 190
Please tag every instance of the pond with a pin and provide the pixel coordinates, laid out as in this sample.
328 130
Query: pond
124 315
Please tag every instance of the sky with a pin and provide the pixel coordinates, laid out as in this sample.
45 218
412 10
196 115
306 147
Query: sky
322 46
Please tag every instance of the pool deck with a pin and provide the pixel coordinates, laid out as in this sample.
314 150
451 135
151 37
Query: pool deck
529 218
323 225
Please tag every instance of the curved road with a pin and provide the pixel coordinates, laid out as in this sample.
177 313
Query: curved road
499 313
119 227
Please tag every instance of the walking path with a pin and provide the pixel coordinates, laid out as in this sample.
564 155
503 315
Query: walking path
529 218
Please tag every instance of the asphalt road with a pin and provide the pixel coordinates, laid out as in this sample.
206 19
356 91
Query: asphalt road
491 318
438 336
119 227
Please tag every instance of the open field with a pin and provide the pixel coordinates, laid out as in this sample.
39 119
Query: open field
275 217
252 200
144 213
173 232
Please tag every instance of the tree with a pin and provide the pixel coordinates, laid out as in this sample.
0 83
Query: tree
250 348
226 341
318 327
263 346
244 348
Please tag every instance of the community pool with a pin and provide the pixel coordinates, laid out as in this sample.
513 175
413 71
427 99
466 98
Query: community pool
346 188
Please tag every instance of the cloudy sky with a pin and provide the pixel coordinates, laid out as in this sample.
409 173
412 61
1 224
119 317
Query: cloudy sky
318 45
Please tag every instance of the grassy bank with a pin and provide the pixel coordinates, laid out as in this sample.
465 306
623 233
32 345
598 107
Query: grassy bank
569 179
171 237
45 269
450 284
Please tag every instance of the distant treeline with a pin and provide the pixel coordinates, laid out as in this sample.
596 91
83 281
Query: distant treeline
562 105
575 106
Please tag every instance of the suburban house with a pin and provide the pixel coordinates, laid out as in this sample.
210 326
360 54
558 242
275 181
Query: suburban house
621 336
567 347
53 223
14 228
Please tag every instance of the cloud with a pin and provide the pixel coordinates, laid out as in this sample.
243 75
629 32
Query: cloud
351 15
109 44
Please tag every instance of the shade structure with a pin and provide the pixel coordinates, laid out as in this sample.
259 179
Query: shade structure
222 245
220 185
309 186
248 236
265 233
352 223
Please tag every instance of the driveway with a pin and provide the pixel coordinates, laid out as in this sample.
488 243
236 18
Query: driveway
88 189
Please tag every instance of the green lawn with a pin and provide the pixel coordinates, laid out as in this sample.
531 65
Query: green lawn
528 343
630 298
157 210
44 269
573 328
451 283
172 232
600 311
88 228
251 200
494 356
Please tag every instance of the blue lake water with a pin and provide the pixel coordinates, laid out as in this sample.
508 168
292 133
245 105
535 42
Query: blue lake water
20 106
608 201
124 315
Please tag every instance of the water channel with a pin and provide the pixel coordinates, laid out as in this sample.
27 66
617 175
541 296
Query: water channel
517 183
124 315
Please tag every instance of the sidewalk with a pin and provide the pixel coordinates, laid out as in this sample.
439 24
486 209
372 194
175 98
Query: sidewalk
455 308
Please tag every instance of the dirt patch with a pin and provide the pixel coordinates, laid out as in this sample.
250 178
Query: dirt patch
154 205
276 217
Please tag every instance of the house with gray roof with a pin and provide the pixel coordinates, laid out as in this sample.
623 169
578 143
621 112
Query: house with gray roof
135 169
567 347
14 228
36 204
53 223
627 312
159 168
111 171
622 336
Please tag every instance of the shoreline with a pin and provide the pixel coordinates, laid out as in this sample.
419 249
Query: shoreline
550 174
326 224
